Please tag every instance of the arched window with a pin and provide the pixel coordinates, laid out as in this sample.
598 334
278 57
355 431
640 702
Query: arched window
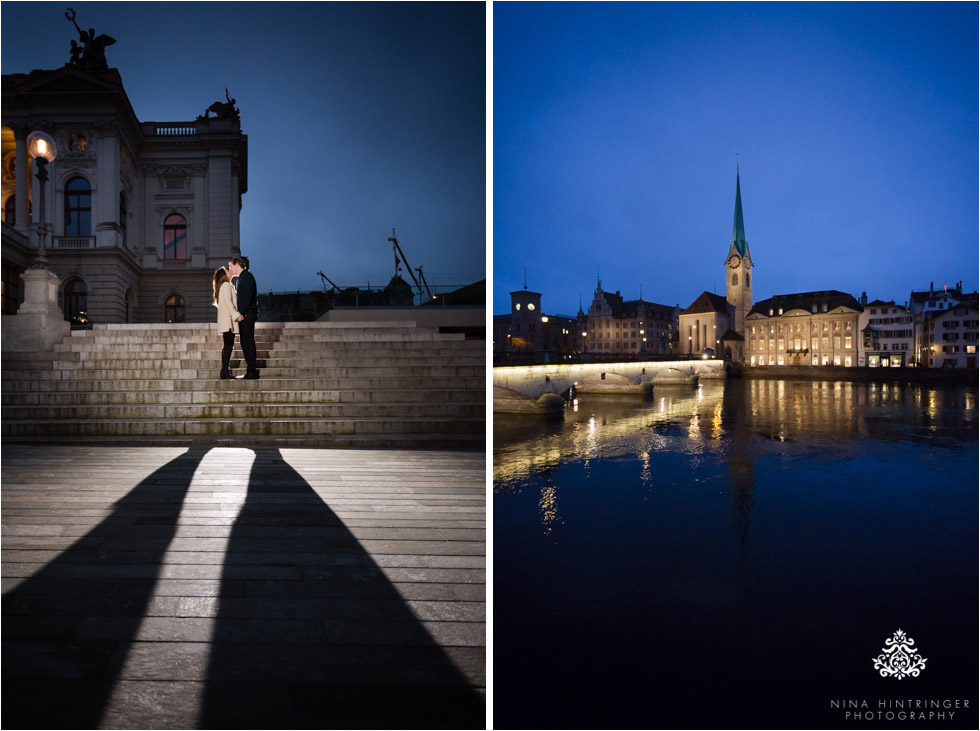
76 304
78 208
735 279
175 237
10 210
122 216
173 309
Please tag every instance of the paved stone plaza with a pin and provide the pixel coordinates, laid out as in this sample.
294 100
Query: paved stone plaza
174 587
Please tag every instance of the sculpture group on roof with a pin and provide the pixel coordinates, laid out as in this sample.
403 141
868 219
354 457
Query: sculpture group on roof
90 56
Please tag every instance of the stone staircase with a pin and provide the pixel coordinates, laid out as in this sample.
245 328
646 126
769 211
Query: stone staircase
364 384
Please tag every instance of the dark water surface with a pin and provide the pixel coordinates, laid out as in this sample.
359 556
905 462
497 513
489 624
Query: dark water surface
736 556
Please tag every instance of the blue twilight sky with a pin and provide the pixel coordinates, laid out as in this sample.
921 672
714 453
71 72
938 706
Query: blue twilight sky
616 129
360 117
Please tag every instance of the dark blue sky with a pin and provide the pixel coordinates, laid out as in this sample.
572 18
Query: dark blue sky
616 128
360 118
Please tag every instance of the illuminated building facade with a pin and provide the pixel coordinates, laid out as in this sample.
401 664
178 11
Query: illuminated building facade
806 329
139 214
629 328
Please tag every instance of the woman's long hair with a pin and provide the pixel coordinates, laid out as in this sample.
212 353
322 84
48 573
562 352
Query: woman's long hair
220 277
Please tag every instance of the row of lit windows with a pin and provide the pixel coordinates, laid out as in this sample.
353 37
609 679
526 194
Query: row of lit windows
78 218
814 360
799 343
801 327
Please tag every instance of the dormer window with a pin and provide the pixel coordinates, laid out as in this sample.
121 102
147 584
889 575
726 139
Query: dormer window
823 307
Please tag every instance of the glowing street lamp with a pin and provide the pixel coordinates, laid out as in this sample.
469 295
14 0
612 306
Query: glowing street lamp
43 149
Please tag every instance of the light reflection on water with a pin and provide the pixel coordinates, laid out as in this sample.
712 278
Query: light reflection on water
636 537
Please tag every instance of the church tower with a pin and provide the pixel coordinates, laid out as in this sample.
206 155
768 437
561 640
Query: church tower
738 267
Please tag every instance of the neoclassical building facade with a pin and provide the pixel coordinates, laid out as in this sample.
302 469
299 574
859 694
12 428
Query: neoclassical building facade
137 214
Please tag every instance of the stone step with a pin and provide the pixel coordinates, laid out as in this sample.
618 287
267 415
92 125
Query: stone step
369 384
93 398
213 360
231 427
265 411
283 351
366 336
368 371
337 441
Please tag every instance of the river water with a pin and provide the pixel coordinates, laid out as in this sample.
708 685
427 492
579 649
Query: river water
736 556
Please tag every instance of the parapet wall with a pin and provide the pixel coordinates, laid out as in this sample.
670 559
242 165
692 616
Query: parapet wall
537 380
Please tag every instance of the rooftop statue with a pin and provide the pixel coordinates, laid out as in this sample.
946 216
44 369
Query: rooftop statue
91 56
224 109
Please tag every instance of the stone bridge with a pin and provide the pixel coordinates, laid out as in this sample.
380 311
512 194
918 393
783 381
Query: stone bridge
535 381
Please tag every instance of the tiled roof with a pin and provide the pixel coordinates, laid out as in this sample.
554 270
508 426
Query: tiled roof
805 301
707 302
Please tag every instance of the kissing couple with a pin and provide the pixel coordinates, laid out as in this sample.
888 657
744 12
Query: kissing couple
238 309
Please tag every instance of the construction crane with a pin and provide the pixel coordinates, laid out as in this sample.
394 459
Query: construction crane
326 279
397 250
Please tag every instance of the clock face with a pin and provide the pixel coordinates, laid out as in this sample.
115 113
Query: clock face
517 306
734 261
530 306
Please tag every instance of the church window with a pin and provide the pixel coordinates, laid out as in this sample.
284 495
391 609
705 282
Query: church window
175 237
173 309
78 208
735 279
748 281
76 303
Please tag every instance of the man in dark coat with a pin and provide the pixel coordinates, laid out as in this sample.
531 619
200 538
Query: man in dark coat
248 306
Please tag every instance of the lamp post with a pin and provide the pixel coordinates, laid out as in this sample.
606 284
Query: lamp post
43 149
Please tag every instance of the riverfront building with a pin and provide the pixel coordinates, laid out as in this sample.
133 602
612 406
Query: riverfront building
528 335
886 335
926 305
810 328
631 328
949 337
704 324
138 214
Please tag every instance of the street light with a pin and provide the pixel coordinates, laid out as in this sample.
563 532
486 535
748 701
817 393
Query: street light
43 149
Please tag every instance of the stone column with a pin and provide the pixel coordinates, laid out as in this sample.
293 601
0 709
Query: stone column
22 171
105 213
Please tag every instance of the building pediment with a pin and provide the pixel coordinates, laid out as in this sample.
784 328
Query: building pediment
67 79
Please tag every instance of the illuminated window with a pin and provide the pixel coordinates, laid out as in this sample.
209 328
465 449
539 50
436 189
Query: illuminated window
78 208
780 360
752 360
847 361
847 341
173 309
175 237
836 360
76 303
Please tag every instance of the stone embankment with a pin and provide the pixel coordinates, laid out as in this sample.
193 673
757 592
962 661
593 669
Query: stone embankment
365 384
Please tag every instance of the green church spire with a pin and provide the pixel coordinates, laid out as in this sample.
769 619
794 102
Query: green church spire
739 245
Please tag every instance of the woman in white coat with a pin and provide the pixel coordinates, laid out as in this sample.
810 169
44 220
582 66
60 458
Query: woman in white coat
225 299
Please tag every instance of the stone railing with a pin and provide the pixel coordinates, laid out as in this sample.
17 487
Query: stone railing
73 242
173 263
173 129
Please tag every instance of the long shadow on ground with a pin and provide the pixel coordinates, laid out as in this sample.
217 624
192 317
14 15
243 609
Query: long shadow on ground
325 641
68 628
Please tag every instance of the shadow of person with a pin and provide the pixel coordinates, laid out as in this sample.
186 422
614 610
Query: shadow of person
310 633
68 628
